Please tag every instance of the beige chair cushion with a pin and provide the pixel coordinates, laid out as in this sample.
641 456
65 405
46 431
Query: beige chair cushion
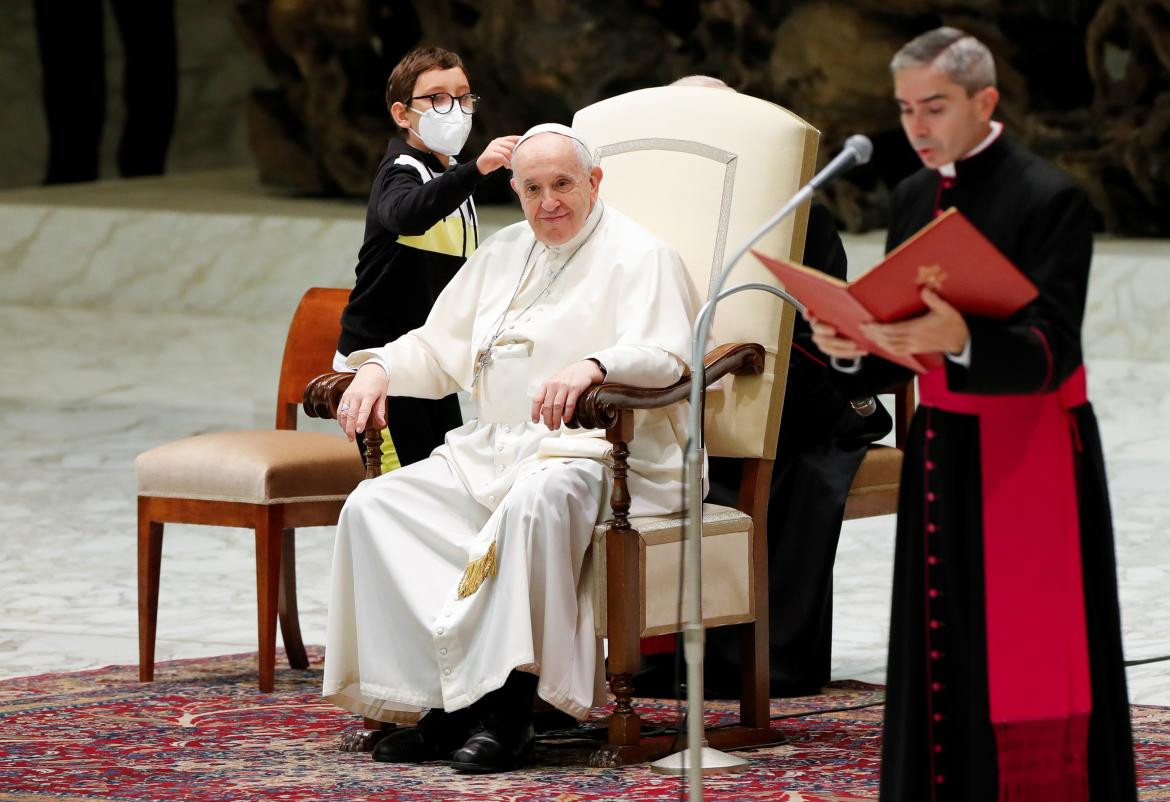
880 470
727 570
258 467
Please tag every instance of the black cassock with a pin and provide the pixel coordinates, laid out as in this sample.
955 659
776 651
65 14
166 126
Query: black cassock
938 741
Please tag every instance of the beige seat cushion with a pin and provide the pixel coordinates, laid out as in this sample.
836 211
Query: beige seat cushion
728 572
880 469
258 467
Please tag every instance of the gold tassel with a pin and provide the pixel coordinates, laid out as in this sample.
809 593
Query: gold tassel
477 571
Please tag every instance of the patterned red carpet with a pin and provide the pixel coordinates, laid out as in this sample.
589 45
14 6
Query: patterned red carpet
202 732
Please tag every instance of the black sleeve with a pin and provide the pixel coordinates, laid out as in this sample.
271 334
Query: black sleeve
408 206
1035 349
822 250
822 244
876 374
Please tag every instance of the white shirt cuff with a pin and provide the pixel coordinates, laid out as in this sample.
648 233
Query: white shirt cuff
359 359
962 358
845 365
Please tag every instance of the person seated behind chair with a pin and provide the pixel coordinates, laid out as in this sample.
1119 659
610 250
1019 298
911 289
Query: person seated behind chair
420 228
821 443
457 582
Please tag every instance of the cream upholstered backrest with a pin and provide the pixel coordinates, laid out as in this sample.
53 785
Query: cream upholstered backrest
703 168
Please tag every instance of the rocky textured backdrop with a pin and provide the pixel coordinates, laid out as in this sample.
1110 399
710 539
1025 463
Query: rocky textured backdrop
1084 82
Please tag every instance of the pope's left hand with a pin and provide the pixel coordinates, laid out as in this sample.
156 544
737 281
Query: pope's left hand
556 400
940 329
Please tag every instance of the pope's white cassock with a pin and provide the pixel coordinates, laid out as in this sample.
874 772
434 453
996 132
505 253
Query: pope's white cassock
504 494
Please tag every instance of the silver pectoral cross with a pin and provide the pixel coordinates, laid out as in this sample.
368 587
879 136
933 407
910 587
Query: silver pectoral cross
481 362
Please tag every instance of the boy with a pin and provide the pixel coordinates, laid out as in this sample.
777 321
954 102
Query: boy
420 228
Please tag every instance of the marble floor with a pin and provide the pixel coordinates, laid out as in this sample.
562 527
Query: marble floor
89 383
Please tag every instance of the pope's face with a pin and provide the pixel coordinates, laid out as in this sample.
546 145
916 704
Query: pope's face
556 192
940 119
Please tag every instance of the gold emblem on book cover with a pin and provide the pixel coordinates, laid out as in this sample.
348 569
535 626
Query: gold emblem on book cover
931 276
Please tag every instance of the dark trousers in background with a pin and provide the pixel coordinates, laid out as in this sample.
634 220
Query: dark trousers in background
419 425
71 40
822 442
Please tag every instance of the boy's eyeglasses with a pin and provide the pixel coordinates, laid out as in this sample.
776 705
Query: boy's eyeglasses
442 102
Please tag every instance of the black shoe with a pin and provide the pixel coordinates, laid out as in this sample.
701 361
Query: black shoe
437 735
405 745
495 748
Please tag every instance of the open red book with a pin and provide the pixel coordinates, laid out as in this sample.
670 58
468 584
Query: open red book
949 255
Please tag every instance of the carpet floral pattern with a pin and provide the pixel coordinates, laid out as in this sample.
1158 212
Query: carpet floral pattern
203 732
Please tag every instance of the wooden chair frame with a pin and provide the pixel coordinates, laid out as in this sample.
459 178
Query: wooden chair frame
312 335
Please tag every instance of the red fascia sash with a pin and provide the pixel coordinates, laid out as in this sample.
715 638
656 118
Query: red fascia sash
1037 647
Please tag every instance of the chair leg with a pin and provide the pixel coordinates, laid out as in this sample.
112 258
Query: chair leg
290 625
269 539
150 534
755 680
625 653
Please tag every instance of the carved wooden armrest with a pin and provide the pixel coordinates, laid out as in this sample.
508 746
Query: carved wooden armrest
600 405
322 395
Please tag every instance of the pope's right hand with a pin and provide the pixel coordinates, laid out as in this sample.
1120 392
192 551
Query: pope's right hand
365 394
826 338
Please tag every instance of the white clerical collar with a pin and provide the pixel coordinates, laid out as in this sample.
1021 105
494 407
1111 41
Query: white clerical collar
948 169
571 244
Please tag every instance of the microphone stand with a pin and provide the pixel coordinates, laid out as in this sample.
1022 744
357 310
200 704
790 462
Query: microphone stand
698 758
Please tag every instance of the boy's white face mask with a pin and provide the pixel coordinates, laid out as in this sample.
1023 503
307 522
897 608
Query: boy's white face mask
443 133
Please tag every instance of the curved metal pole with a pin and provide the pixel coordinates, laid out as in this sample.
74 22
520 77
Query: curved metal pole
693 638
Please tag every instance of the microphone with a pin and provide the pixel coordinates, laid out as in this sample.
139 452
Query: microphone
856 151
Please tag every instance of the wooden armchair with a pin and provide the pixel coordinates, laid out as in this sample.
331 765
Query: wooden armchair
270 481
703 169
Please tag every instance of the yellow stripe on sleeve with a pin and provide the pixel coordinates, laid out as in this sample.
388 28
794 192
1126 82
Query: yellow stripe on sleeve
445 236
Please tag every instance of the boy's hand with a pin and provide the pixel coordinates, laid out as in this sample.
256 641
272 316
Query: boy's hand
497 154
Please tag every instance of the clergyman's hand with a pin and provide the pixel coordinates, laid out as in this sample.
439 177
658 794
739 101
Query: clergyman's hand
556 400
831 343
940 329
365 394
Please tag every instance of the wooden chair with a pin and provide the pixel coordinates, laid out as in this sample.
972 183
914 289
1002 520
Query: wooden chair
672 161
875 485
702 169
271 481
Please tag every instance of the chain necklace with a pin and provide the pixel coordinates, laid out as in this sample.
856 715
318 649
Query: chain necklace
484 355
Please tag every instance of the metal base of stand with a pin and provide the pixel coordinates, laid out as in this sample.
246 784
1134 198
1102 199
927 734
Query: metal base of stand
713 762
